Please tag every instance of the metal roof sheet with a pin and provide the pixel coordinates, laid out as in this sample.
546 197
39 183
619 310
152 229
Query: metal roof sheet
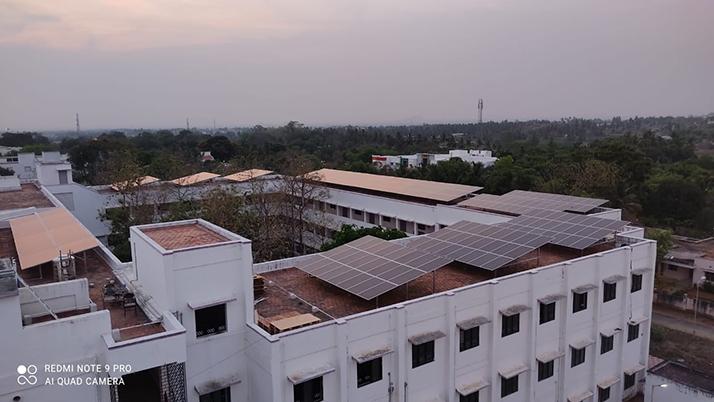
194 179
431 190
247 175
42 236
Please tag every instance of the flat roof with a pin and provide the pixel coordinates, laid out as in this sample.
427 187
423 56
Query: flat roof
399 186
291 291
520 202
684 375
184 235
140 181
690 248
28 196
246 175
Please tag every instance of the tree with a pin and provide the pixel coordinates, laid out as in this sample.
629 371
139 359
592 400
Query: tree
6 172
348 233
664 241
221 148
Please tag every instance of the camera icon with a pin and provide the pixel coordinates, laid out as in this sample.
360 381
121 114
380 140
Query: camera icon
26 374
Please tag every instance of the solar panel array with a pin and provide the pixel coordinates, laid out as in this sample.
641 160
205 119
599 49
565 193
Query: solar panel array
485 246
369 267
520 202
566 229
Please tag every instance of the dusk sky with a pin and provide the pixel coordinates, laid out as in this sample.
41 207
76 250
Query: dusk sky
153 63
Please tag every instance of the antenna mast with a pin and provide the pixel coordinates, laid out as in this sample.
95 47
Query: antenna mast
480 111
77 121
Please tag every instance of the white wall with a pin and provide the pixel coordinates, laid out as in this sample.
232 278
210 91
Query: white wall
334 343
673 392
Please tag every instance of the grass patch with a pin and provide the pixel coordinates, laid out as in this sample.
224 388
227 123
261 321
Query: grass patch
680 346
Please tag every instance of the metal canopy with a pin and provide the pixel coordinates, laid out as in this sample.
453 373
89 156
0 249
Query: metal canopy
485 246
520 202
369 267
566 229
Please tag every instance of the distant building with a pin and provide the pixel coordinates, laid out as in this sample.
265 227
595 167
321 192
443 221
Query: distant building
207 157
417 160
49 168
689 261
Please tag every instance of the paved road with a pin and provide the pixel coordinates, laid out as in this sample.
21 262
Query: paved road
683 324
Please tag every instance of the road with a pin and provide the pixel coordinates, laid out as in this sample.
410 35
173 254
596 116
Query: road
682 323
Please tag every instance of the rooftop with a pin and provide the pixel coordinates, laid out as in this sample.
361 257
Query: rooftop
196 178
519 202
247 175
89 265
395 186
178 236
28 196
290 291
684 375
688 249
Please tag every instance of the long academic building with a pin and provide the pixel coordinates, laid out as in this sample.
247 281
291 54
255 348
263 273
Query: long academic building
518 297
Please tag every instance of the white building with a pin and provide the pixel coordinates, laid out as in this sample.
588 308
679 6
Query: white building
49 168
193 323
672 381
483 157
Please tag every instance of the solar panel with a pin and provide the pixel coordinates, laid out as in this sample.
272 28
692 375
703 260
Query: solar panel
519 202
484 246
566 229
369 266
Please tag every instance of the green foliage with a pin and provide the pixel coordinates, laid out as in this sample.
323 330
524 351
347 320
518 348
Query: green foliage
348 233
6 172
663 238
656 334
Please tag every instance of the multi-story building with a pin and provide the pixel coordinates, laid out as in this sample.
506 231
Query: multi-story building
528 304
417 160
50 167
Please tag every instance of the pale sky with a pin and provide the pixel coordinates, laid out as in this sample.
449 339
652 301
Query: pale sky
152 63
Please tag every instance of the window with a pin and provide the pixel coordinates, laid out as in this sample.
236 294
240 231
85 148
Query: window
607 343
510 324
636 283
629 380
211 320
222 395
344 212
509 386
671 268
633 332
468 338
473 397
610 292
386 219
422 354
603 394
369 372
545 370
709 276
547 312
580 301
577 356
308 391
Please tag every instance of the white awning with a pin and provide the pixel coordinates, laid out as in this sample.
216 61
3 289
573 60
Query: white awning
551 298
195 305
513 371
580 396
515 309
371 354
207 387
581 343
637 320
634 369
425 337
610 332
608 382
472 323
614 278
584 288
545 357
466 389
301 376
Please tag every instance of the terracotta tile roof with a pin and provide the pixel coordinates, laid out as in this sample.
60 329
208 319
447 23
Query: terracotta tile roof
140 181
173 237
